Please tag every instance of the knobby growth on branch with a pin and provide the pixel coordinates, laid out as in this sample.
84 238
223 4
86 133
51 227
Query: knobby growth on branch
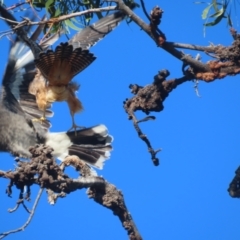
226 63
43 170
150 99
234 186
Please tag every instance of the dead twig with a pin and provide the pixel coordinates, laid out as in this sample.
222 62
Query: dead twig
16 5
110 197
28 22
144 10
150 99
43 170
2 235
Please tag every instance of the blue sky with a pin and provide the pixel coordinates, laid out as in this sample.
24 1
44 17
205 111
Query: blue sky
186 196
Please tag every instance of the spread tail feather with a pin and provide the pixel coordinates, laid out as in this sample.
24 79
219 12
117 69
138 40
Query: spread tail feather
61 66
92 145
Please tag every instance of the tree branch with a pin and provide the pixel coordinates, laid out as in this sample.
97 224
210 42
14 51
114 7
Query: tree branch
150 99
28 22
43 170
2 235
209 49
157 38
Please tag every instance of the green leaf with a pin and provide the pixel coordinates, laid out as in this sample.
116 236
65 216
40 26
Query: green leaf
71 25
49 3
205 11
86 2
218 13
215 3
57 13
39 4
216 21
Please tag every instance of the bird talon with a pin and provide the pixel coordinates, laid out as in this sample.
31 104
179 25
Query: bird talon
41 119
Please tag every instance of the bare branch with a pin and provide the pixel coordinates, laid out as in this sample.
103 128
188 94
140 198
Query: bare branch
16 5
2 235
209 49
28 22
150 99
158 38
144 10
43 170
112 198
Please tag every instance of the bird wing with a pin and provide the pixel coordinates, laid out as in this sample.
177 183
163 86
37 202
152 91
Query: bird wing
21 32
90 35
71 58
19 73
23 65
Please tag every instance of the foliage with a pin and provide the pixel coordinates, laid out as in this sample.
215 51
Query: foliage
57 8
216 11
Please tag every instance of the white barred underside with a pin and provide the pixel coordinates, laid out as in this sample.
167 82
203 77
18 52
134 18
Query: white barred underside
92 145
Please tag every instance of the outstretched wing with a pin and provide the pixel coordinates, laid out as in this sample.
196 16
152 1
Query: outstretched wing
90 35
52 65
20 72
71 58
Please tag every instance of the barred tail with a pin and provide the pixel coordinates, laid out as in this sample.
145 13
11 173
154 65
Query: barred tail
92 145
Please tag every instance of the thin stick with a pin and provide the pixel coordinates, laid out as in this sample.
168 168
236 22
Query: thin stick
28 22
2 235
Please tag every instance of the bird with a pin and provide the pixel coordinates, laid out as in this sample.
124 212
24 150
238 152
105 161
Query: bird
18 131
56 69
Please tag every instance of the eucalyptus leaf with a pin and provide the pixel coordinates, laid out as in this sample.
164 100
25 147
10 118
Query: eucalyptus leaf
206 11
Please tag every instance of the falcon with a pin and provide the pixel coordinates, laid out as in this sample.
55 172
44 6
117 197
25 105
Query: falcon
18 132
56 69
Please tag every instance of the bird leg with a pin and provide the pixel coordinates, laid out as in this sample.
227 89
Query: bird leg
74 105
74 125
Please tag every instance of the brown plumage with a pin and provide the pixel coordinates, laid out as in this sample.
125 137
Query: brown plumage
18 107
61 66
58 68
47 94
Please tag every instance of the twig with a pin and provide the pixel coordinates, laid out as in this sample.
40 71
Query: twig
228 56
46 34
28 22
150 99
196 82
209 49
166 46
15 6
144 10
2 235
145 139
111 198
6 33
19 202
48 174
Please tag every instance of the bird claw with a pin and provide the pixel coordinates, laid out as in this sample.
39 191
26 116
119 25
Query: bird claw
41 119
